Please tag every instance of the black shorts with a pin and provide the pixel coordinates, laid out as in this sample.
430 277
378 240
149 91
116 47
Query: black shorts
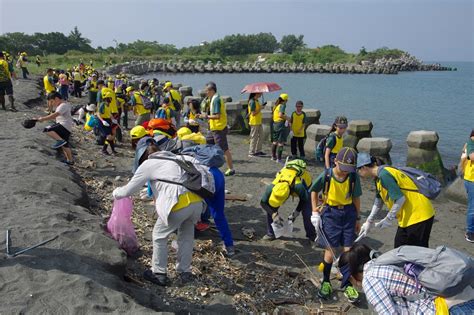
6 88
218 137
417 234
60 130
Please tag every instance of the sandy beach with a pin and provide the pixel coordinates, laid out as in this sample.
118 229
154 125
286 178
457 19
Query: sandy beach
84 271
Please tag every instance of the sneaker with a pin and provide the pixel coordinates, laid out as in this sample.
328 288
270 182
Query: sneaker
186 277
230 251
351 294
470 237
229 172
114 152
13 109
202 226
59 144
268 237
273 158
325 291
280 161
156 278
68 162
105 152
252 155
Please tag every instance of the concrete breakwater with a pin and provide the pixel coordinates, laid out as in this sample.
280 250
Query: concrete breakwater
380 66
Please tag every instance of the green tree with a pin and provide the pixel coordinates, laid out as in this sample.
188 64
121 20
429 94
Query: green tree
290 43
78 42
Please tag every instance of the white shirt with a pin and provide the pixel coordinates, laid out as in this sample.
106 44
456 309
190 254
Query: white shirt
65 118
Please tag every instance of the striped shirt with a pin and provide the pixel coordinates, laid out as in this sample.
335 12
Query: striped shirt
385 287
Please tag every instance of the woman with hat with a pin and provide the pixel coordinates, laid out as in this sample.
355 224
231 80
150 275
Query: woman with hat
281 127
336 214
410 208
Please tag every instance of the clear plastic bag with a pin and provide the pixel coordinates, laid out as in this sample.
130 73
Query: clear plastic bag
120 225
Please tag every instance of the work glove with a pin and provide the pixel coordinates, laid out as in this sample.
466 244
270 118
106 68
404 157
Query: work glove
192 121
114 121
365 229
278 220
105 123
385 223
293 216
317 223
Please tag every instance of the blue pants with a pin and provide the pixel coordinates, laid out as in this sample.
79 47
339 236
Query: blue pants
215 207
470 205
306 211
339 226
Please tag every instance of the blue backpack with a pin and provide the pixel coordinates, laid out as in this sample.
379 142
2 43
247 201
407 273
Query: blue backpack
207 154
426 183
321 148
161 113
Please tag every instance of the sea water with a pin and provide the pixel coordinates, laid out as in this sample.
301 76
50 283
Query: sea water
396 104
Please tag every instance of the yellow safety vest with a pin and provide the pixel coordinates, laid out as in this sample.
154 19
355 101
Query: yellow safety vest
338 146
417 208
338 192
221 123
93 86
255 120
297 123
276 114
139 108
49 88
469 171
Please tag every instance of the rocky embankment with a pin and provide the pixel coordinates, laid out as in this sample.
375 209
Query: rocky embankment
380 66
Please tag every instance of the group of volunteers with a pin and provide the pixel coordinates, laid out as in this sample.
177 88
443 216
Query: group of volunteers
179 163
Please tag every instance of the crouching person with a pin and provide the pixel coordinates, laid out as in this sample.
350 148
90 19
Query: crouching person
292 180
61 130
178 209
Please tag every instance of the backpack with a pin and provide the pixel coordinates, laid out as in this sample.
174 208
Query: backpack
161 113
198 178
147 103
442 271
321 148
426 183
177 105
206 154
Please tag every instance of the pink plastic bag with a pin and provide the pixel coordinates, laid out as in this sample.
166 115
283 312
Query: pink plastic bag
121 227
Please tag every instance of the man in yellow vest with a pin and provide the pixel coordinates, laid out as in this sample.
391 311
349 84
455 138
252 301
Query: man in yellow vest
218 125
6 86
22 63
92 86
49 87
467 162
413 211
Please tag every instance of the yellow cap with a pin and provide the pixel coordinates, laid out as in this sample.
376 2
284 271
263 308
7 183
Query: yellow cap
280 192
130 88
138 132
184 131
168 85
284 96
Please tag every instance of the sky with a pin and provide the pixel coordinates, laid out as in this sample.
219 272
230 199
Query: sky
432 30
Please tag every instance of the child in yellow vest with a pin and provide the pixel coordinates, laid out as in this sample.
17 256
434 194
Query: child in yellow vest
298 121
467 169
336 219
413 211
334 141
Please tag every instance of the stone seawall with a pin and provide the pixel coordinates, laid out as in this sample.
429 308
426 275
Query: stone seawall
380 66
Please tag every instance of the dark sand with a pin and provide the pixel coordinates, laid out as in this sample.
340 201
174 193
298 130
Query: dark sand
83 270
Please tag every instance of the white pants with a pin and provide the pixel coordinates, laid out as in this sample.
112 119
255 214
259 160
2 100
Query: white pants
182 220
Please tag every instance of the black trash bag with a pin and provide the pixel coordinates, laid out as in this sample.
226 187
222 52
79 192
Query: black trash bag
29 123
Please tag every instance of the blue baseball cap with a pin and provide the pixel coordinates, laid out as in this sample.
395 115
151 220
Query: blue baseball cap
363 159
347 158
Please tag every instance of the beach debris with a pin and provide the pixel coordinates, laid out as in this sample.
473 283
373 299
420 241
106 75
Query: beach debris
248 232
22 251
